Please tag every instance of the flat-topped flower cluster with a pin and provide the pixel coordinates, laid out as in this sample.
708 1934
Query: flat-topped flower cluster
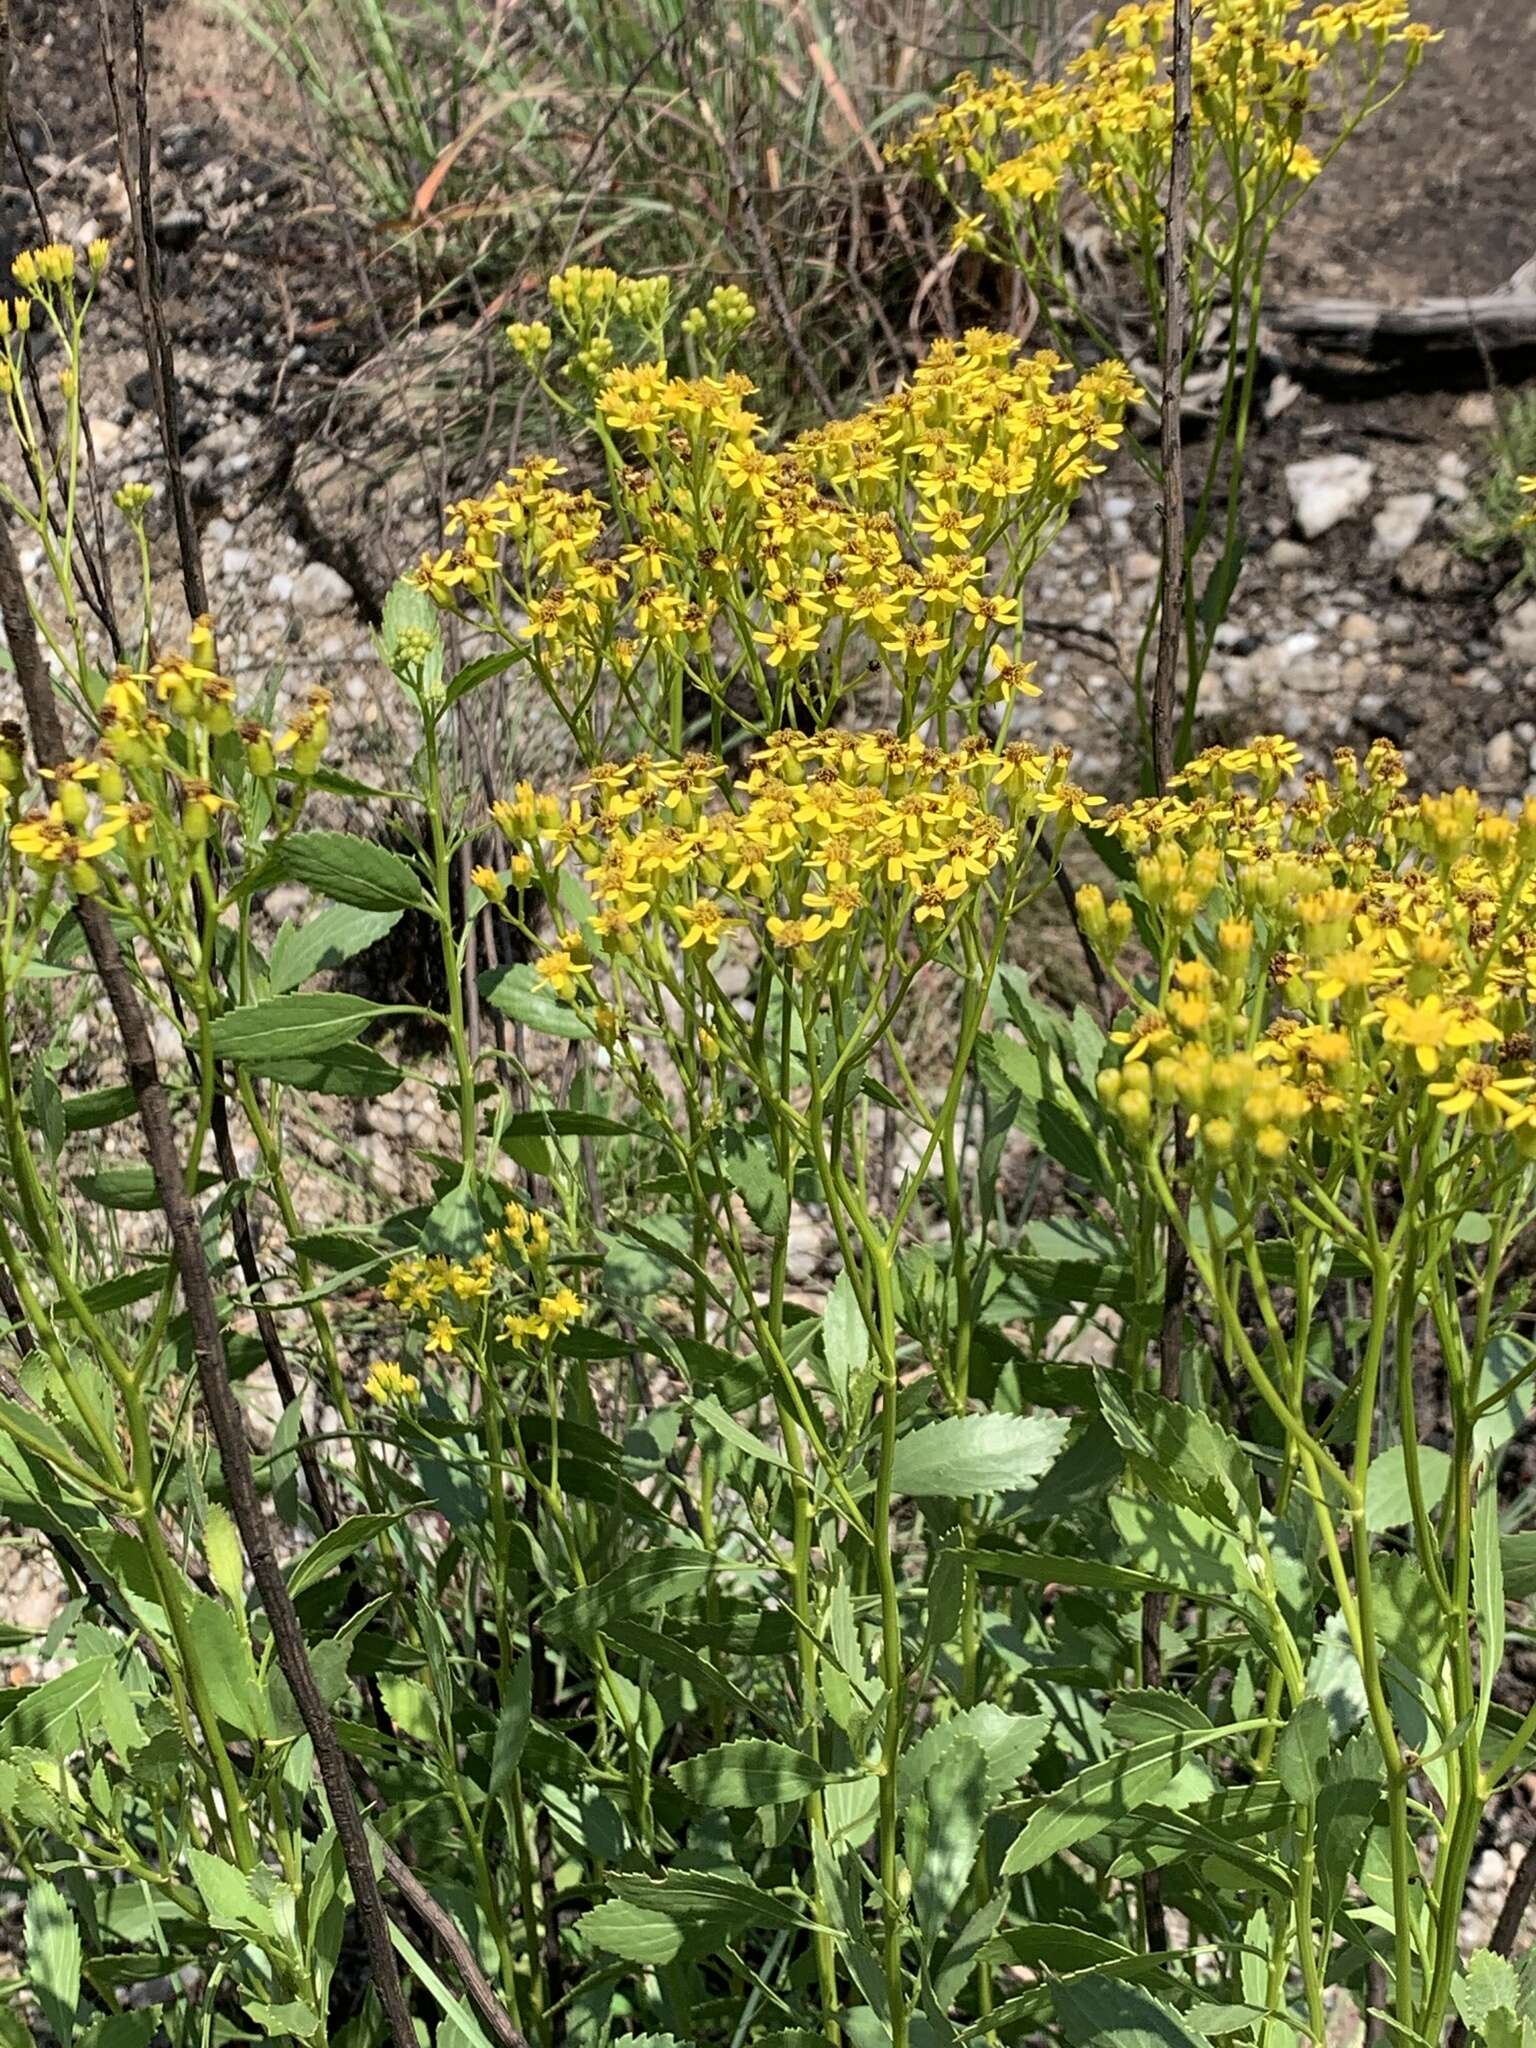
1337 970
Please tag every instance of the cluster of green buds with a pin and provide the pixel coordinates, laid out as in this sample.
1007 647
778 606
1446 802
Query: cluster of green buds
727 312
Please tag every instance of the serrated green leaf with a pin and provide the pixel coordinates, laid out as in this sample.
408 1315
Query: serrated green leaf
1101 1794
53 1957
1104 2012
337 935
351 870
519 994
749 1773
293 1027
971 1454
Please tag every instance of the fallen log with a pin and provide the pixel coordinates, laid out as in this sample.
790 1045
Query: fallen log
1494 322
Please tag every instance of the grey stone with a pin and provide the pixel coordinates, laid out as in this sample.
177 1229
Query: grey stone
1401 520
1326 489
1517 633
318 591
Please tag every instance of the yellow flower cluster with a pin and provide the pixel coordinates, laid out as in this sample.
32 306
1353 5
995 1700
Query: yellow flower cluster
1346 960
824 835
870 533
149 776
1259 68
512 1267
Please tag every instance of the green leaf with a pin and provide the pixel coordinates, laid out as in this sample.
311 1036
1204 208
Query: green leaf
335 936
1302 1751
53 1957
944 1824
350 870
98 1107
519 994
564 1123
48 1716
1487 1592
1102 2012
722 1424
512 1726
1182 1548
1490 1984
844 1339
225 1665
749 1773
293 1027
227 1893
635 1933
129 1187
1388 1503
971 1454
455 1227
348 1537
706 1895
356 1071
1047 1568
1519 1564
643 1583
1008 1742
1103 1793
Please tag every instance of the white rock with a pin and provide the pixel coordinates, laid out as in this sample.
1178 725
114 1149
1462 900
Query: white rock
1327 488
1288 554
105 435
1477 409
318 591
1141 566
1401 520
236 562
1503 759
1119 508
280 589
1517 633
1359 628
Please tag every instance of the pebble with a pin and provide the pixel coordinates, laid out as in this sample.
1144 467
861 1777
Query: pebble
1360 629
1477 409
1326 489
1517 633
1289 554
1503 759
1141 567
1401 520
318 590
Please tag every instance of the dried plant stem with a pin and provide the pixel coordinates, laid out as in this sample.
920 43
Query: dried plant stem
218 1396
1170 624
1170 628
137 176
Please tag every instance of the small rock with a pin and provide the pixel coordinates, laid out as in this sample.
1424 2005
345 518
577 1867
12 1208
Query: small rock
280 589
1360 629
1401 520
1477 409
105 436
235 562
1289 554
1427 569
1326 489
318 590
1517 633
1141 566
1119 508
1503 759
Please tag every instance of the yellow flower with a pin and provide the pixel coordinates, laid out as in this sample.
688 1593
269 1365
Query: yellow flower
560 1309
560 972
391 1386
1427 1028
1480 1092
443 1335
